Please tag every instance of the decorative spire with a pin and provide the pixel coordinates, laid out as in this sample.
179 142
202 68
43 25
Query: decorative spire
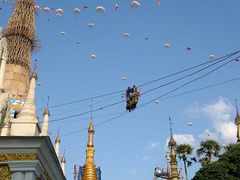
172 141
57 144
27 115
173 162
20 35
237 122
63 162
46 115
89 172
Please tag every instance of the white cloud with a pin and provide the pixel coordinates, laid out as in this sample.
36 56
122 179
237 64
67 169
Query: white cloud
152 145
132 171
184 139
207 134
146 158
220 113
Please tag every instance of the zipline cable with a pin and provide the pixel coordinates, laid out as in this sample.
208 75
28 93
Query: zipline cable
144 84
116 103
169 97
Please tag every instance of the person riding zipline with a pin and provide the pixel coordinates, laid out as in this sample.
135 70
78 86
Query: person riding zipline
132 95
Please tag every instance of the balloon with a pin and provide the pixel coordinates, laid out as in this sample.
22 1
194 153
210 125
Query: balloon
116 6
46 9
100 9
157 101
37 8
59 12
211 57
90 25
135 4
93 56
126 34
76 10
124 78
167 45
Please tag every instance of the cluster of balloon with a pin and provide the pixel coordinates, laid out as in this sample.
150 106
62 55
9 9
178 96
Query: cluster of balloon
166 45
211 57
90 25
124 78
93 56
135 4
126 34
100 9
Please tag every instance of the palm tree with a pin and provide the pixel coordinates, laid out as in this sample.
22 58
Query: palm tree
229 146
183 151
208 149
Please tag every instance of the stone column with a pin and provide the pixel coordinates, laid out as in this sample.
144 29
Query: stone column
2 72
25 170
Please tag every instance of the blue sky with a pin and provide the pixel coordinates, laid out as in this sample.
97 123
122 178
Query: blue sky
130 147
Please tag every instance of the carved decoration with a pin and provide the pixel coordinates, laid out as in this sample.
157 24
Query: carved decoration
5 172
17 156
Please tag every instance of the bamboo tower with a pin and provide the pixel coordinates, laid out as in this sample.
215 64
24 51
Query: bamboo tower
20 35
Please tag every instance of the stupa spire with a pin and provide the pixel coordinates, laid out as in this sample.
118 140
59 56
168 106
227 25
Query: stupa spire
173 161
20 35
89 172
46 115
27 120
57 144
63 162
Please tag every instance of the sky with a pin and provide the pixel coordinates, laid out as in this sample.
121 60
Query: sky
131 146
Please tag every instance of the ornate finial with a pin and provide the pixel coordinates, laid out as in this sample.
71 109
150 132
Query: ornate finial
236 105
48 101
63 160
91 108
237 119
91 127
171 142
34 74
46 111
58 140
170 123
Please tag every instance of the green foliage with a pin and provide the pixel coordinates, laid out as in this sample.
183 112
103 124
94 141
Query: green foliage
226 168
183 152
208 149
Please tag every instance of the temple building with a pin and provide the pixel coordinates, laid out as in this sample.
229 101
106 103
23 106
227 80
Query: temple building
26 151
89 170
